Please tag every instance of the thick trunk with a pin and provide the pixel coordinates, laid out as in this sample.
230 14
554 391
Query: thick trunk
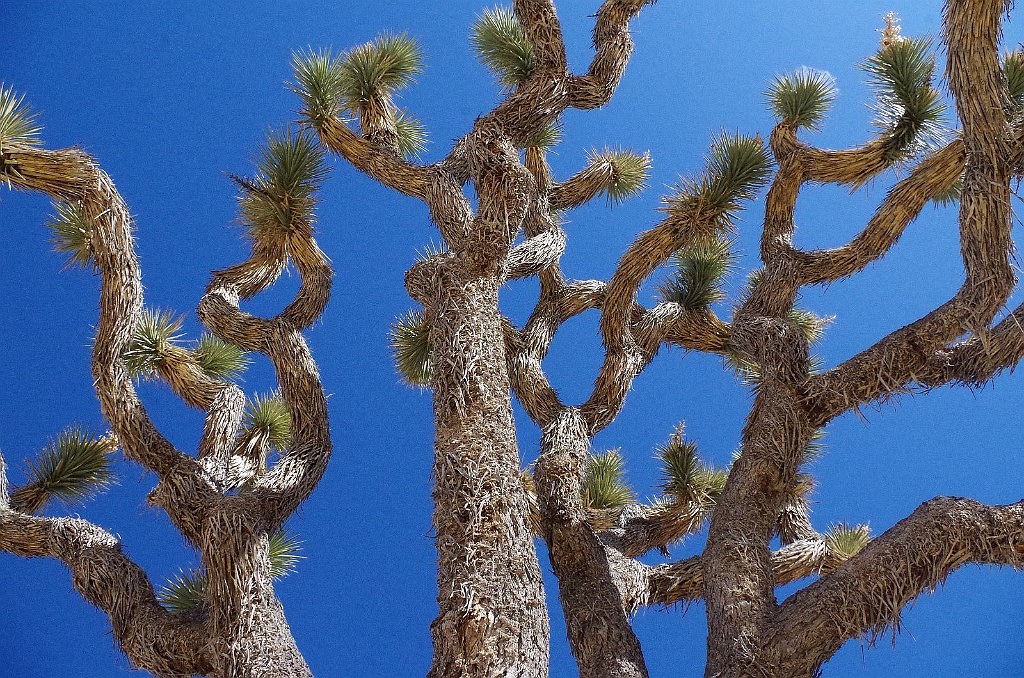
251 636
492 619
591 576
739 582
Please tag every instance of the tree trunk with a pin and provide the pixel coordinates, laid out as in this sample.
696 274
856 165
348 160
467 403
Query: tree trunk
492 619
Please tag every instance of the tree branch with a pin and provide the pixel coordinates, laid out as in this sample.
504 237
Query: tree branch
866 594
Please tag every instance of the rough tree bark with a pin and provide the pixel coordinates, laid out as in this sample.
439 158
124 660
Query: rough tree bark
233 495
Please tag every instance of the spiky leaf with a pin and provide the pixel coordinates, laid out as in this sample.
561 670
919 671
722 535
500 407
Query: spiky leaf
185 593
1013 72
218 358
846 541
685 477
18 123
546 137
811 325
282 196
157 332
71 468
501 44
318 82
377 69
410 342
268 417
802 98
629 172
700 269
604 486
909 109
71 234
284 554
412 135
950 196
737 167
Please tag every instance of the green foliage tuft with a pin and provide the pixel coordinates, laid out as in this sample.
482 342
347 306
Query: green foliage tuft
737 167
410 341
318 82
909 109
268 416
501 44
71 468
71 234
185 593
603 485
700 269
685 477
18 123
376 69
290 169
1013 72
284 554
218 358
547 137
846 541
157 331
802 98
629 172
950 196
412 135
811 325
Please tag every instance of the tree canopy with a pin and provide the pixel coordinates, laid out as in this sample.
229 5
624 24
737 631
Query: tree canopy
172 102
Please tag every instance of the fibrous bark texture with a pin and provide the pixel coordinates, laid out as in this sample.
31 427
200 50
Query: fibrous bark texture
502 215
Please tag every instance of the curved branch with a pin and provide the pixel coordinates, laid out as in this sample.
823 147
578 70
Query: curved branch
972 33
540 23
613 46
152 638
582 187
72 175
866 594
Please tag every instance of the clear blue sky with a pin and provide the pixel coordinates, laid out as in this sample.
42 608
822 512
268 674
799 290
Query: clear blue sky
172 96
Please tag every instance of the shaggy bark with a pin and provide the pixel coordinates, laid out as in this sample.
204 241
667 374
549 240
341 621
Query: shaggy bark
492 618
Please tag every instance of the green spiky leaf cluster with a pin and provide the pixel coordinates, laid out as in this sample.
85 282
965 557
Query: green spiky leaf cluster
604 485
318 84
18 123
267 416
157 332
1013 72
909 109
218 358
284 554
282 195
950 196
410 341
846 541
685 477
501 44
377 69
629 172
700 269
411 133
70 233
186 592
812 326
802 98
737 167
547 137
71 468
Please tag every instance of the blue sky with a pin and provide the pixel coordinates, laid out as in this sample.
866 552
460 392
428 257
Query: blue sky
170 97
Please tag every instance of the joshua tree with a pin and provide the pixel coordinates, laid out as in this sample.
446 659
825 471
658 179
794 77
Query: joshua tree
259 460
